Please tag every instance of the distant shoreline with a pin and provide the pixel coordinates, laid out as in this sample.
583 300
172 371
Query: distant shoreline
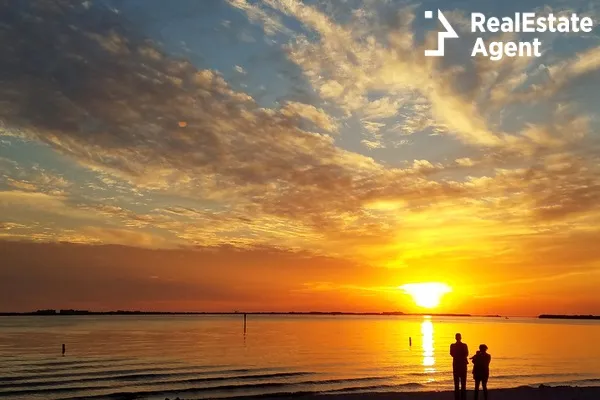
312 313
552 316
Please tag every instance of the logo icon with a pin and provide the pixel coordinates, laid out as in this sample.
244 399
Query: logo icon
450 33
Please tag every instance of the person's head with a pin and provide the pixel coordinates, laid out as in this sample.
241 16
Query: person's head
458 337
483 348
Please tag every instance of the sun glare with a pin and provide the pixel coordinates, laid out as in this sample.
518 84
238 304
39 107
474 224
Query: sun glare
426 295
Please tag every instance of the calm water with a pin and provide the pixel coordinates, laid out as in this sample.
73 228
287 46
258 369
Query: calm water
209 357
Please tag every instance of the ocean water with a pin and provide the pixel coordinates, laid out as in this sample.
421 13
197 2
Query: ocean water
198 357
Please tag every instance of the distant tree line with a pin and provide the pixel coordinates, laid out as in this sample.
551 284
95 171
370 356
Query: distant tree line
139 312
553 316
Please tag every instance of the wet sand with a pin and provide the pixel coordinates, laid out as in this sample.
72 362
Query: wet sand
520 393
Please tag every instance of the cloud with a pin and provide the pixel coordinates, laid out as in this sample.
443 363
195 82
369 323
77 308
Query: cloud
382 108
125 237
465 162
207 164
32 199
270 23
367 73
114 102
560 77
35 180
341 59
118 277
240 70
23 185
310 113
372 144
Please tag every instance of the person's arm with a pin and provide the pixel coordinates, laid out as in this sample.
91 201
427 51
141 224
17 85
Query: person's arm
466 350
452 350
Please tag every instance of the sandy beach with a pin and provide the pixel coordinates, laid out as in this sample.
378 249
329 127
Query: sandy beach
520 393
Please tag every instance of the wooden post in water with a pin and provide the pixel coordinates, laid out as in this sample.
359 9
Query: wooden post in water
64 349
410 341
244 323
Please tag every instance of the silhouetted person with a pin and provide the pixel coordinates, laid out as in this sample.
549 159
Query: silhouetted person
64 349
481 370
460 354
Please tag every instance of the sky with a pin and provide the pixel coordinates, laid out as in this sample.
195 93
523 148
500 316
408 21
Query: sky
282 155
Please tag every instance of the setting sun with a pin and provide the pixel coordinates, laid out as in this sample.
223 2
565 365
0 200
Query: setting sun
426 295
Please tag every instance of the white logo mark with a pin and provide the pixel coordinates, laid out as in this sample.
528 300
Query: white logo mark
449 34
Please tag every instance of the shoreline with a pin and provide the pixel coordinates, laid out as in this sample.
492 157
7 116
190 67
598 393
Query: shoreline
541 392
63 313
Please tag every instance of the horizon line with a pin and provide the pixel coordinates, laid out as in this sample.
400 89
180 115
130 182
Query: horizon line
47 312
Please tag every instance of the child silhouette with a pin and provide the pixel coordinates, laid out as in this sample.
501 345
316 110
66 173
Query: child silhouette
481 370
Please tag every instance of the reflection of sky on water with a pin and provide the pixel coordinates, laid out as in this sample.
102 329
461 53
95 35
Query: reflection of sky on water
428 349
330 348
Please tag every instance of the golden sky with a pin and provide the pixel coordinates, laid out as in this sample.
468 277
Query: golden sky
282 155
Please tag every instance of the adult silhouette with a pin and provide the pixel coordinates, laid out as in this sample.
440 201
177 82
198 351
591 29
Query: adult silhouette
481 370
460 354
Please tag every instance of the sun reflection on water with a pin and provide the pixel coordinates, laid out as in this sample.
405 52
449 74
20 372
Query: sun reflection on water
428 348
